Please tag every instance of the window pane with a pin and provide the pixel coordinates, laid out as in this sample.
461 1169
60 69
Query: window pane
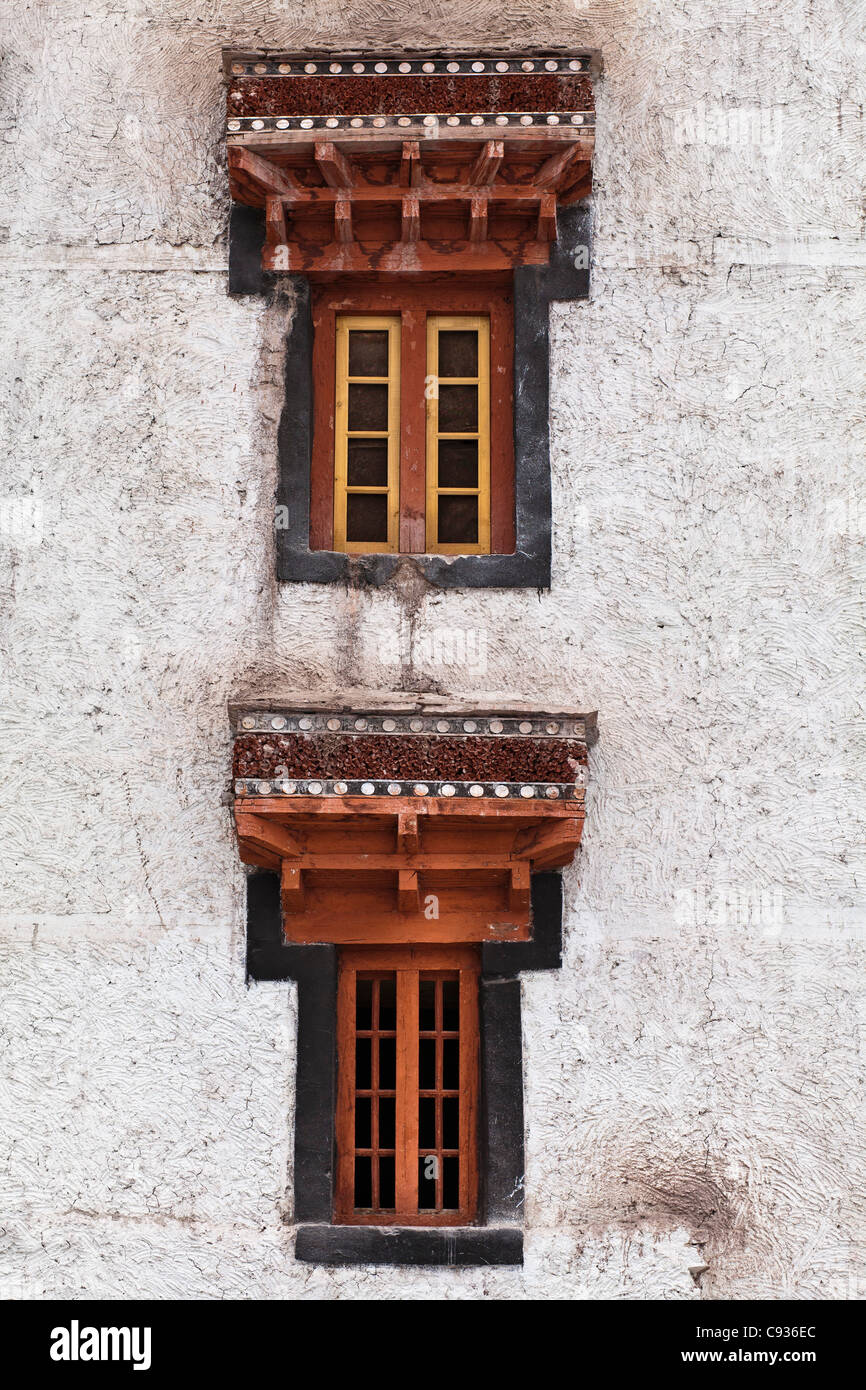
367 516
368 406
427 1005
387 1063
362 1122
458 353
451 1183
427 1063
368 352
387 1128
368 463
363 998
363 1182
451 1005
458 408
362 1064
427 1122
458 463
386 1183
388 1003
458 520
451 1064
427 1167
450 1122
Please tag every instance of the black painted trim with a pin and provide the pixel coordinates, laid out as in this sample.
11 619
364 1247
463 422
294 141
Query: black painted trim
405 1245
565 278
269 957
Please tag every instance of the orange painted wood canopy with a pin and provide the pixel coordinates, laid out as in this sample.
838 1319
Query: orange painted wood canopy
371 859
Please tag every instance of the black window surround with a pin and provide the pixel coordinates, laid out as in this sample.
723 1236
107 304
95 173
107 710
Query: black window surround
535 287
500 1239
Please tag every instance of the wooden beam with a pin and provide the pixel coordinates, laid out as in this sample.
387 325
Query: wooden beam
486 166
275 221
547 217
552 170
408 899
291 888
407 832
267 835
410 258
478 219
518 888
551 845
343 221
266 175
410 218
258 858
383 194
335 168
410 164
581 188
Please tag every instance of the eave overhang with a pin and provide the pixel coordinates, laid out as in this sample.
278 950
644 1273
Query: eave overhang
408 827
411 163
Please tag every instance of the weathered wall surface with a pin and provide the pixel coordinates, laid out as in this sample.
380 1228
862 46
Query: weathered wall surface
694 1074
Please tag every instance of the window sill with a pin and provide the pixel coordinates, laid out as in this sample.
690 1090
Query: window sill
519 570
409 1245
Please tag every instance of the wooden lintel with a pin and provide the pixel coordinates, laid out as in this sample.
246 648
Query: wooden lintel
407 832
519 888
410 218
335 168
478 219
292 888
380 195
487 164
404 257
551 173
267 835
275 221
408 899
343 221
410 164
284 809
264 174
547 217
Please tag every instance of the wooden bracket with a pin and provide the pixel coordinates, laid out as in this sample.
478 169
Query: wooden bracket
410 218
519 888
335 168
478 219
486 166
407 832
408 899
291 888
267 835
343 232
547 217
410 164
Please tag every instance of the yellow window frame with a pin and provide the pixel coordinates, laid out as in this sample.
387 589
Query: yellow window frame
437 323
342 434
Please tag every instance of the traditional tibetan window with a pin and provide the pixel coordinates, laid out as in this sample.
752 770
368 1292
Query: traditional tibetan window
427 208
408 1074
405 864
413 444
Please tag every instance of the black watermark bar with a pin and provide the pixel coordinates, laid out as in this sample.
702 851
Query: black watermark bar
163 1341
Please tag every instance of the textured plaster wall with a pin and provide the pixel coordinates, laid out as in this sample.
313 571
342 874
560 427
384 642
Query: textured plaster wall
694 1074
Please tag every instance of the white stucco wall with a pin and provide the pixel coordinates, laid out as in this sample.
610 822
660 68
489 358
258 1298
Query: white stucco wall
694 1074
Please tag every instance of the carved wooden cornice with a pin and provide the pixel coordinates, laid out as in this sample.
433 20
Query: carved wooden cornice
408 827
412 163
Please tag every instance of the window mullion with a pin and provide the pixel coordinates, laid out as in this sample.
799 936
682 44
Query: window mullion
469 1072
407 1092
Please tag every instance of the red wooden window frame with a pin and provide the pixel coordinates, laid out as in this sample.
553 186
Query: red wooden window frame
413 303
409 965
